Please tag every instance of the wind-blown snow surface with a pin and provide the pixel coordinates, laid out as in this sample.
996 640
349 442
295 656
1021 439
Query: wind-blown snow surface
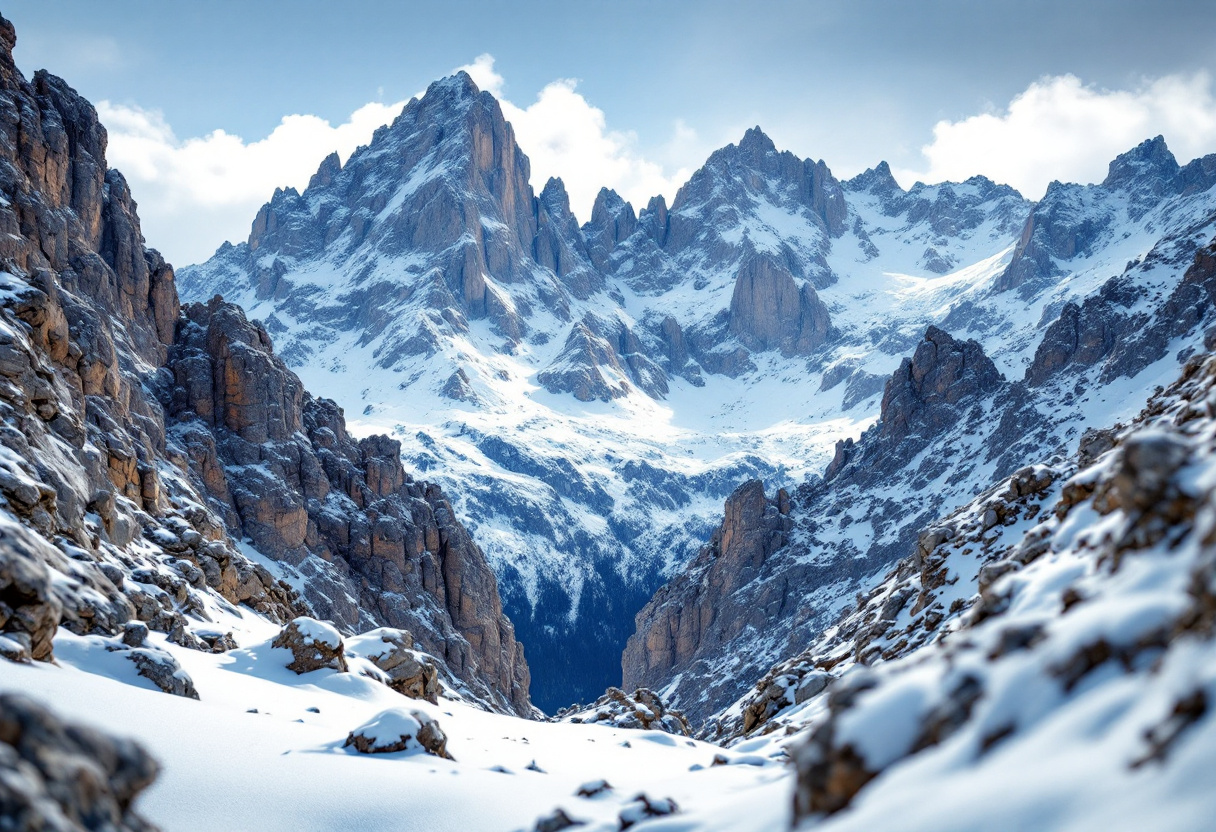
585 507
264 749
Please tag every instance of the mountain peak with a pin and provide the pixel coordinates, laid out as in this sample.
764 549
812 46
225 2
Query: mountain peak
1149 159
611 216
554 196
459 82
755 141
330 167
607 203
877 180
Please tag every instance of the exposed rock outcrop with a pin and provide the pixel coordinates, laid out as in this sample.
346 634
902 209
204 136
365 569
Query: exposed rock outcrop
164 671
612 221
314 645
280 467
693 614
407 671
643 808
1072 220
643 710
143 440
392 731
600 359
1109 332
769 311
748 594
1022 632
61 777
924 393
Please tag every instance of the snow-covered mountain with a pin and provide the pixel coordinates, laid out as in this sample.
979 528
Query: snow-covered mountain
591 395
780 570
972 624
158 462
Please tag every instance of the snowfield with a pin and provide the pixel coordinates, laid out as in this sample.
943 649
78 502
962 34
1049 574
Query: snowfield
264 749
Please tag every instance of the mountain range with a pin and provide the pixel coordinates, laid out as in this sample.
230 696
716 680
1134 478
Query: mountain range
591 394
887 508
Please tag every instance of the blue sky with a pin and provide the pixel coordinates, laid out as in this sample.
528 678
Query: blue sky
1021 91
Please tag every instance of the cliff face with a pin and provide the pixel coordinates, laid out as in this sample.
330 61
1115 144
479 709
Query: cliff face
696 615
1072 221
776 568
1019 616
375 547
142 441
950 423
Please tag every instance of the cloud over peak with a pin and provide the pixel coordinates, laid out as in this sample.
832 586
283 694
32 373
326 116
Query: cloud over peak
197 192
1061 128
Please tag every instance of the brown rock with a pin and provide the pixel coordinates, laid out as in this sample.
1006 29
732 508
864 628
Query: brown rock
314 645
393 731
769 311
62 776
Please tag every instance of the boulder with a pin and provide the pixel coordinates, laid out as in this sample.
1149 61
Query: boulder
409 671
314 645
556 822
61 777
29 611
643 808
395 730
643 710
162 670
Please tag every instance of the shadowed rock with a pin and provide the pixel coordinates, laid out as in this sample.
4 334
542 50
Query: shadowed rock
61 777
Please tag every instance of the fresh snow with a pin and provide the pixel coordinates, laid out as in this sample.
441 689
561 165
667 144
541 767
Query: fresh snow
264 749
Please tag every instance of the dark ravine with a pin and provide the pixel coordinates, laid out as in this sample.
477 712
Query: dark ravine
132 420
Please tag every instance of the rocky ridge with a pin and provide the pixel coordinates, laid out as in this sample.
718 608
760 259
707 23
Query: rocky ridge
593 406
160 461
1038 587
642 710
949 422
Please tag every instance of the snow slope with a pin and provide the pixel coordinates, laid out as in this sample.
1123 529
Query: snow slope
263 749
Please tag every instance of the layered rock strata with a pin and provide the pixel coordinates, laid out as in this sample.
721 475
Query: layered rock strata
157 459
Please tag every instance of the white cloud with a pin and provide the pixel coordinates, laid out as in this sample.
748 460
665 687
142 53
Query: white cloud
195 193
1060 128
565 136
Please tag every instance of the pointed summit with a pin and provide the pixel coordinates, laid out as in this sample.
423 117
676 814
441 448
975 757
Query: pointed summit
877 180
330 167
612 220
613 213
756 143
1149 160
460 83
555 198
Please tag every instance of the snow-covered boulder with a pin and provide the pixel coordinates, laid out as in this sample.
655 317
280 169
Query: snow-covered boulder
314 645
397 730
162 670
556 822
408 671
643 710
644 808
